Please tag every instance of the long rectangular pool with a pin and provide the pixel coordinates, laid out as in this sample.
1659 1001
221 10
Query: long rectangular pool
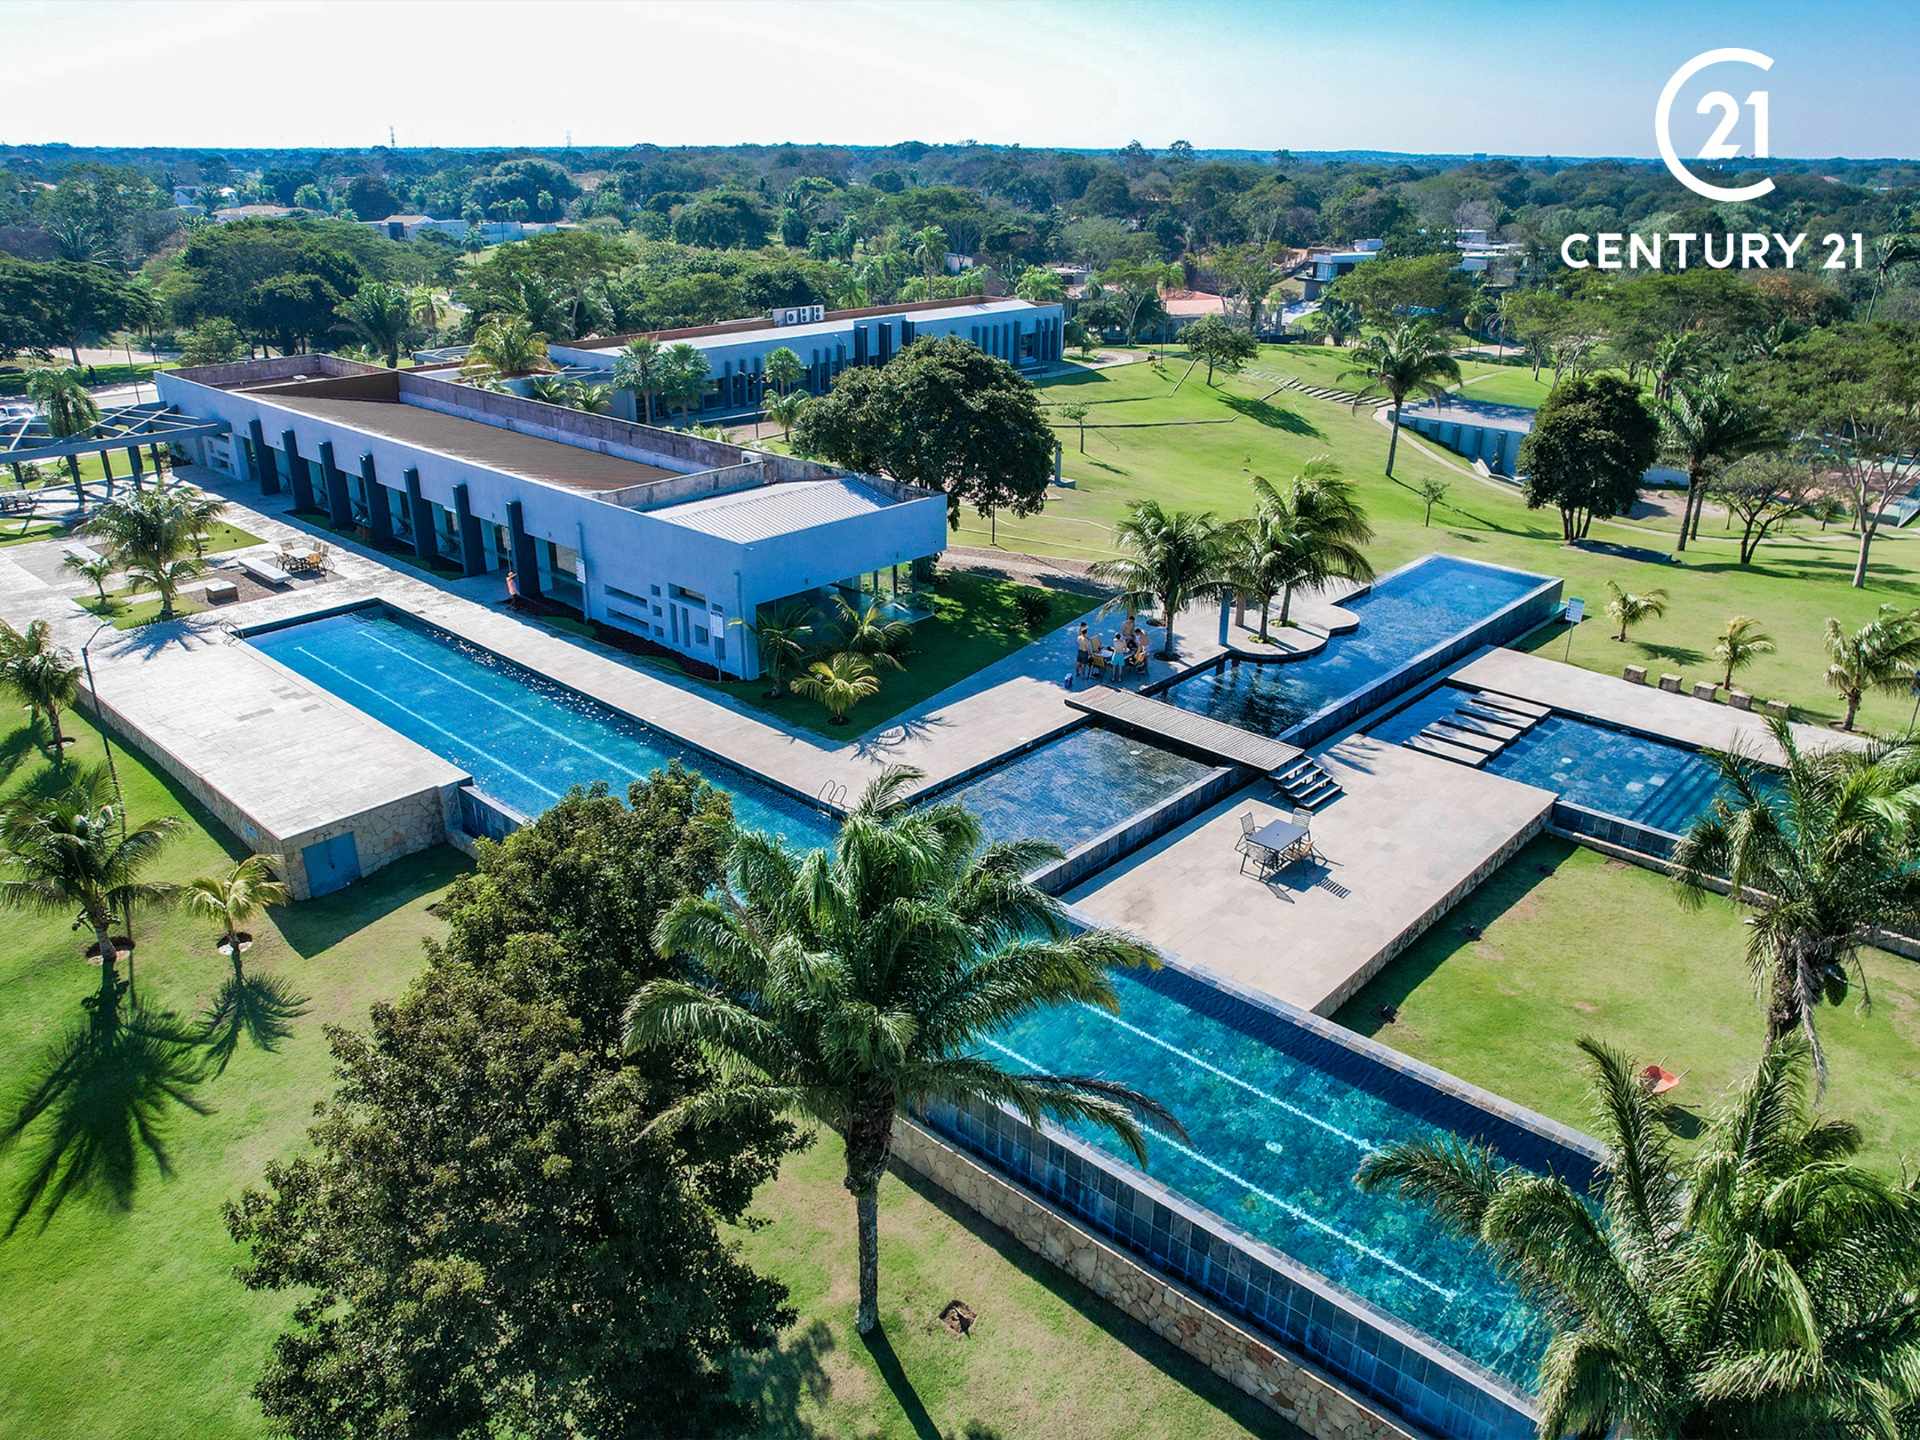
1402 617
525 739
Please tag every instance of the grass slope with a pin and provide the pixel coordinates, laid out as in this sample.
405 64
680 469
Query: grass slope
1574 944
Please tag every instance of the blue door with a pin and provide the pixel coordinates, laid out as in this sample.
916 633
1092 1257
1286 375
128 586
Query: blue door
331 864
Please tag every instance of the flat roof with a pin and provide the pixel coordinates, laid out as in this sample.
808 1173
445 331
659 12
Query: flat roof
528 456
830 326
746 516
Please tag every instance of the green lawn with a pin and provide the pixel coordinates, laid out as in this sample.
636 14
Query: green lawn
976 620
126 611
1045 1357
1796 583
1574 944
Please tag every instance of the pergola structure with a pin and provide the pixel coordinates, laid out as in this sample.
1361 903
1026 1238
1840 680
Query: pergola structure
127 428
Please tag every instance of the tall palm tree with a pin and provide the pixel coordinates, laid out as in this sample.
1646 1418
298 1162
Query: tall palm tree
858 983
1630 608
1412 358
69 855
1820 860
1676 358
1883 654
1338 321
427 309
683 377
1740 644
381 315
69 410
505 345
234 896
41 673
94 569
838 683
152 535
1173 558
637 368
1704 423
866 629
164 578
1890 252
785 369
780 635
1321 528
785 410
1764 1286
929 245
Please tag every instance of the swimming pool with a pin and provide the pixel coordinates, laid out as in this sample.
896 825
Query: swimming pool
1071 789
1402 617
525 739
1278 1118
1654 783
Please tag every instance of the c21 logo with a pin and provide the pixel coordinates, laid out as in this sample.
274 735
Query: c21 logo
1718 147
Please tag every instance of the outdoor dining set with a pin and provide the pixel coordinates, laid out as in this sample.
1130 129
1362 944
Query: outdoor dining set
1272 847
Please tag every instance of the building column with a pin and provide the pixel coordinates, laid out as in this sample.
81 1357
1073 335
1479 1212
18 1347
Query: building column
339 503
106 471
526 564
264 469
424 544
297 475
379 518
473 555
133 460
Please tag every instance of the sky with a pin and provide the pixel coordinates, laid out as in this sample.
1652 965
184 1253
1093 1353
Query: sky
1534 77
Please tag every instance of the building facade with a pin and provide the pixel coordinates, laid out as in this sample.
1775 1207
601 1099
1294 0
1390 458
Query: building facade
667 536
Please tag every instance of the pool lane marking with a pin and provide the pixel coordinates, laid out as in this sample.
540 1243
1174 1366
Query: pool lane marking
1365 1145
1303 1216
459 741
501 704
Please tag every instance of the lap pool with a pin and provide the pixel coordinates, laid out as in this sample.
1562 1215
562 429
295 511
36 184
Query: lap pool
1402 617
525 739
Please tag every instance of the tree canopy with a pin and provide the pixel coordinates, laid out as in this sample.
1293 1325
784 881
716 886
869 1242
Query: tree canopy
1591 444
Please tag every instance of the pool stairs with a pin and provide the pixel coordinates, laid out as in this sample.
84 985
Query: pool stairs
1306 783
1480 727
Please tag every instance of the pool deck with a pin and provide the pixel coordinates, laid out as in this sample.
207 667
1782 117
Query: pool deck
1705 724
1409 838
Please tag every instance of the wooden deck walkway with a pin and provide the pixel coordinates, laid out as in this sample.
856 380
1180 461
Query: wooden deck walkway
1184 727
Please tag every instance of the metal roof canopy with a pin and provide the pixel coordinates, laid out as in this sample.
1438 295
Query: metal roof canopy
153 423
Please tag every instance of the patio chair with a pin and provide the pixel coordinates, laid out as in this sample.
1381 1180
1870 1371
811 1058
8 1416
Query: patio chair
1305 846
1657 1081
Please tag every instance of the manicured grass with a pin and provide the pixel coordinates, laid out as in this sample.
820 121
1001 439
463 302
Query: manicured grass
11 532
1045 1356
976 620
1504 384
128 612
1577 944
126 1320
1791 589
13 379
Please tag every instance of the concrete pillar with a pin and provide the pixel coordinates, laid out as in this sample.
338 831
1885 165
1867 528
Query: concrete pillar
297 476
106 470
473 555
339 503
421 513
133 463
379 518
262 462
526 564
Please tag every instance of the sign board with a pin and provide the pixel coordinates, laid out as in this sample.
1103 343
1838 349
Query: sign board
1576 610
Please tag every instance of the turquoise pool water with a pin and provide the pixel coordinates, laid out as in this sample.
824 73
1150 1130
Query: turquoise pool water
1277 1120
1403 616
1071 789
525 739
1656 783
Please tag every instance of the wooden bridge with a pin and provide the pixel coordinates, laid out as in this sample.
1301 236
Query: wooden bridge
1184 727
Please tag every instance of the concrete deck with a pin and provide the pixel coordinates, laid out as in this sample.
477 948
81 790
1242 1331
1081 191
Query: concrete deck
1707 724
1409 838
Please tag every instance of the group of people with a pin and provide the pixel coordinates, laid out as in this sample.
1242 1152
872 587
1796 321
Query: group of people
1127 652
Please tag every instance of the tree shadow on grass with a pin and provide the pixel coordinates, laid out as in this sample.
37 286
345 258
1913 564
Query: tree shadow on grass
1274 417
1673 654
102 1094
904 1395
316 925
776 1382
262 1008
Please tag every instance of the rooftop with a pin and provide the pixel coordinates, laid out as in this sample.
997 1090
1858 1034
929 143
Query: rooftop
761 514
835 322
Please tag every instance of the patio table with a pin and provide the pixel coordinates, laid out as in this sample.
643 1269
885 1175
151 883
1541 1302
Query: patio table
1279 836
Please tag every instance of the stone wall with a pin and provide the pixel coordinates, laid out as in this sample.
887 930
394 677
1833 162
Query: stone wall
1301 1393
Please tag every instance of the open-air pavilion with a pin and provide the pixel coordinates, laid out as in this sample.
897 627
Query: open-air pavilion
127 427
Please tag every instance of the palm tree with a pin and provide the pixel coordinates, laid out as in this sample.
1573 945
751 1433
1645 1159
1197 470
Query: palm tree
69 855
590 398
1675 359
164 578
838 683
1762 1287
1630 609
780 635
69 410
381 315
551 390
151 534
1338 321
427 308
1740 644
505 345
1321 528
1174 558
929 246
1882 654
785 410
1413 357
1889 252
233 897
41 673
683 377
866 629
93 568
856 984
637 368
1040 285
784 369
1819 859
1704 424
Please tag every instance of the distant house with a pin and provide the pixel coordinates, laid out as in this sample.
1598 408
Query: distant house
405 227
1183 307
